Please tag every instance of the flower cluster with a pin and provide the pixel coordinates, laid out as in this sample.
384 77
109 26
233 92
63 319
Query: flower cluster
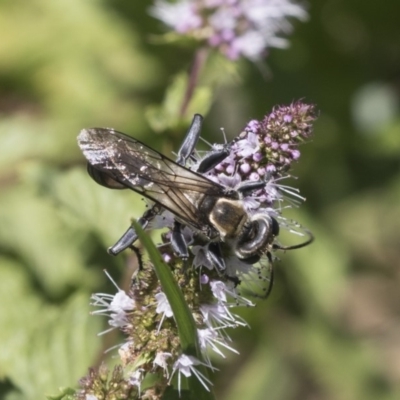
153 346
266 150
262 153
236 27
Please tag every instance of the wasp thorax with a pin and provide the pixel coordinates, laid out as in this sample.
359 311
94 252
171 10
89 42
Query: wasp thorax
228 217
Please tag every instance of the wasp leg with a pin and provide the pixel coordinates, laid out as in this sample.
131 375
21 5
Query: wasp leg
212 160
268 289
250 186
139 256
178 242
271 276
190 141
130 236
127 239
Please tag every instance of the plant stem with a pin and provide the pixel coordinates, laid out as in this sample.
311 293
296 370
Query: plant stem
197 65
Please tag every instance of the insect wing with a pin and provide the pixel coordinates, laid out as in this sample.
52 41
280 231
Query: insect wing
127 162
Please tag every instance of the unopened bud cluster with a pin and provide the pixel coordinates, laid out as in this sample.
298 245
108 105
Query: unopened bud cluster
266 149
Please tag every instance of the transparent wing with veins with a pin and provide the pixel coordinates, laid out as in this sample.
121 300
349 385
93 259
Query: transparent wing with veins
121 162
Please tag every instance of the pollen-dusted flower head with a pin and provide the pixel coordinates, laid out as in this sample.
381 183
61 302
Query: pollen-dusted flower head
236 27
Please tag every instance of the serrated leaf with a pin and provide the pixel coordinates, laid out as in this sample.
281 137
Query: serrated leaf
30 227
59 74
47 346
94 208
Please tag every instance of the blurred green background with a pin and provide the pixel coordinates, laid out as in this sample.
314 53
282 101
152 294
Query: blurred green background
331 329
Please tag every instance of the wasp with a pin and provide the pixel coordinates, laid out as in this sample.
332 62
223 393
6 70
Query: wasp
214 213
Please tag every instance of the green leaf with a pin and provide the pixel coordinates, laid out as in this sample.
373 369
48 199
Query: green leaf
44 346
182 314
31 227
93 208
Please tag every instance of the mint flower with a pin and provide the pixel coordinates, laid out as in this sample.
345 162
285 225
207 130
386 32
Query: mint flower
136 378
115 306
237 28
186 365
161 360
210 340
266 150
163 307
